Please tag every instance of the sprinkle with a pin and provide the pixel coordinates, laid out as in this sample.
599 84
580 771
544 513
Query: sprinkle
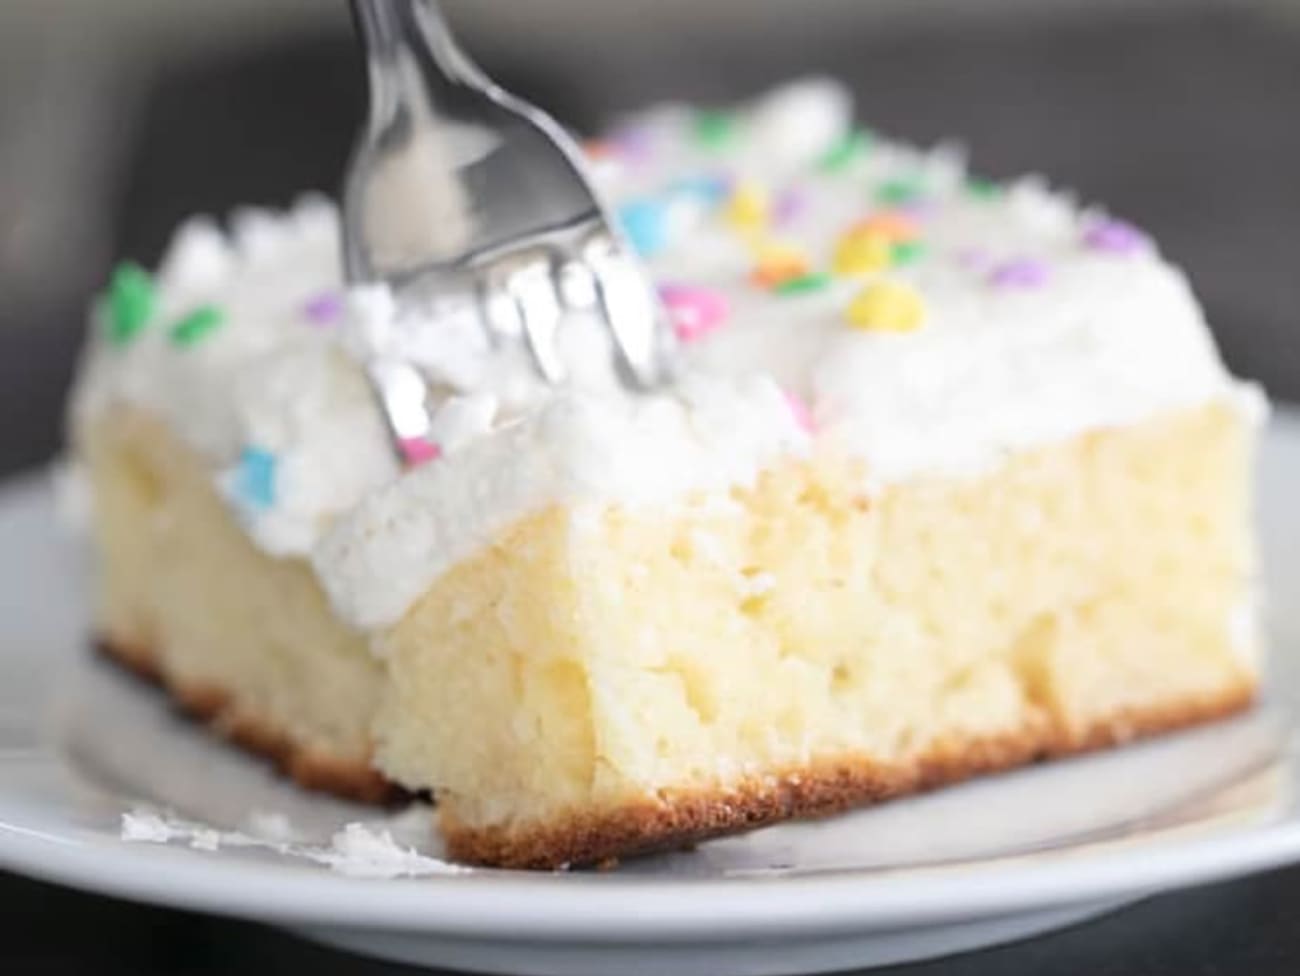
803 284
982 189
907 252
709 189
324 308
799 409
714 129
254 480
645 222
695 311
849 147
597 149
1019 273
747 209
632 145
898 191
196 325
862 252
790 205
1116 237
777 262
131 301
887 306
894 224
418 450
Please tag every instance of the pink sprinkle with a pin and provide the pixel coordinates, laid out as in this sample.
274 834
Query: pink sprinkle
324 308
790 205
417 451
802 415
695 311
1020 273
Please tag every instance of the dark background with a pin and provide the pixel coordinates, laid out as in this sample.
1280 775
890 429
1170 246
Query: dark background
1182 116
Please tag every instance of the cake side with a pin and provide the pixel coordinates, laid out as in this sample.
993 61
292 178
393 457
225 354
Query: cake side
240 639
610 677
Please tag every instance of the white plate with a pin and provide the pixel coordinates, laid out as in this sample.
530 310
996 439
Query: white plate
993 860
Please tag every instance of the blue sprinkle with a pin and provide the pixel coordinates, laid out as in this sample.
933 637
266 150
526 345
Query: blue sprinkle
255 477
645 222
709 190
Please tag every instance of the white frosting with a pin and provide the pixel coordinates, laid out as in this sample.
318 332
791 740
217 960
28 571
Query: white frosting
1107 339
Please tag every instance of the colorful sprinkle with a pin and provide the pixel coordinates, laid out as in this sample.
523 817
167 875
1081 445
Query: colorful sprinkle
803 284
709 189
1116 237
254 480
325 308
747 208
799 410
1019 273
849 147
695 311
887 306
776 262
645 222
898 191
982 189
862 252
791 203
893 224
714 129
196 325
904 253
632 145
130 304
418 450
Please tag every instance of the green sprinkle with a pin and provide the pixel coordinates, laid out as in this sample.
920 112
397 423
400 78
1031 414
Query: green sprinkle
906 252
714 129
983 189
850 147
130 303
894 192
803 284
195 326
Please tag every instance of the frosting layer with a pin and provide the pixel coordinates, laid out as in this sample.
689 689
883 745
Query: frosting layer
823 282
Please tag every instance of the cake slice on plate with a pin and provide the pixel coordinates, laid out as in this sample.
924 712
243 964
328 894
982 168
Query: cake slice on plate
953 479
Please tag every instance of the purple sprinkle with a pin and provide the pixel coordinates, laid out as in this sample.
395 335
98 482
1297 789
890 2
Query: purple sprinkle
790 205
1019 273
633 145
325 308
1115 237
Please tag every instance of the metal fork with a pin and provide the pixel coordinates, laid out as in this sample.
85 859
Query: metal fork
474 202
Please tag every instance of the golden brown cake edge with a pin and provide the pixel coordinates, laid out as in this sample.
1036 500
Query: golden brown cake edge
308 767
680 818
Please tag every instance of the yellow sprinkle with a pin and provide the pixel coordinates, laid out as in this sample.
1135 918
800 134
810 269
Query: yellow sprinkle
887 306
747 209
862 253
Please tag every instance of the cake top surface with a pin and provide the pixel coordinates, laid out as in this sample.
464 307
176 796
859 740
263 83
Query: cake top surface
827 285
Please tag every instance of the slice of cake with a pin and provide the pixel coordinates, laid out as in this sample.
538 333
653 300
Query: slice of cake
953 478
